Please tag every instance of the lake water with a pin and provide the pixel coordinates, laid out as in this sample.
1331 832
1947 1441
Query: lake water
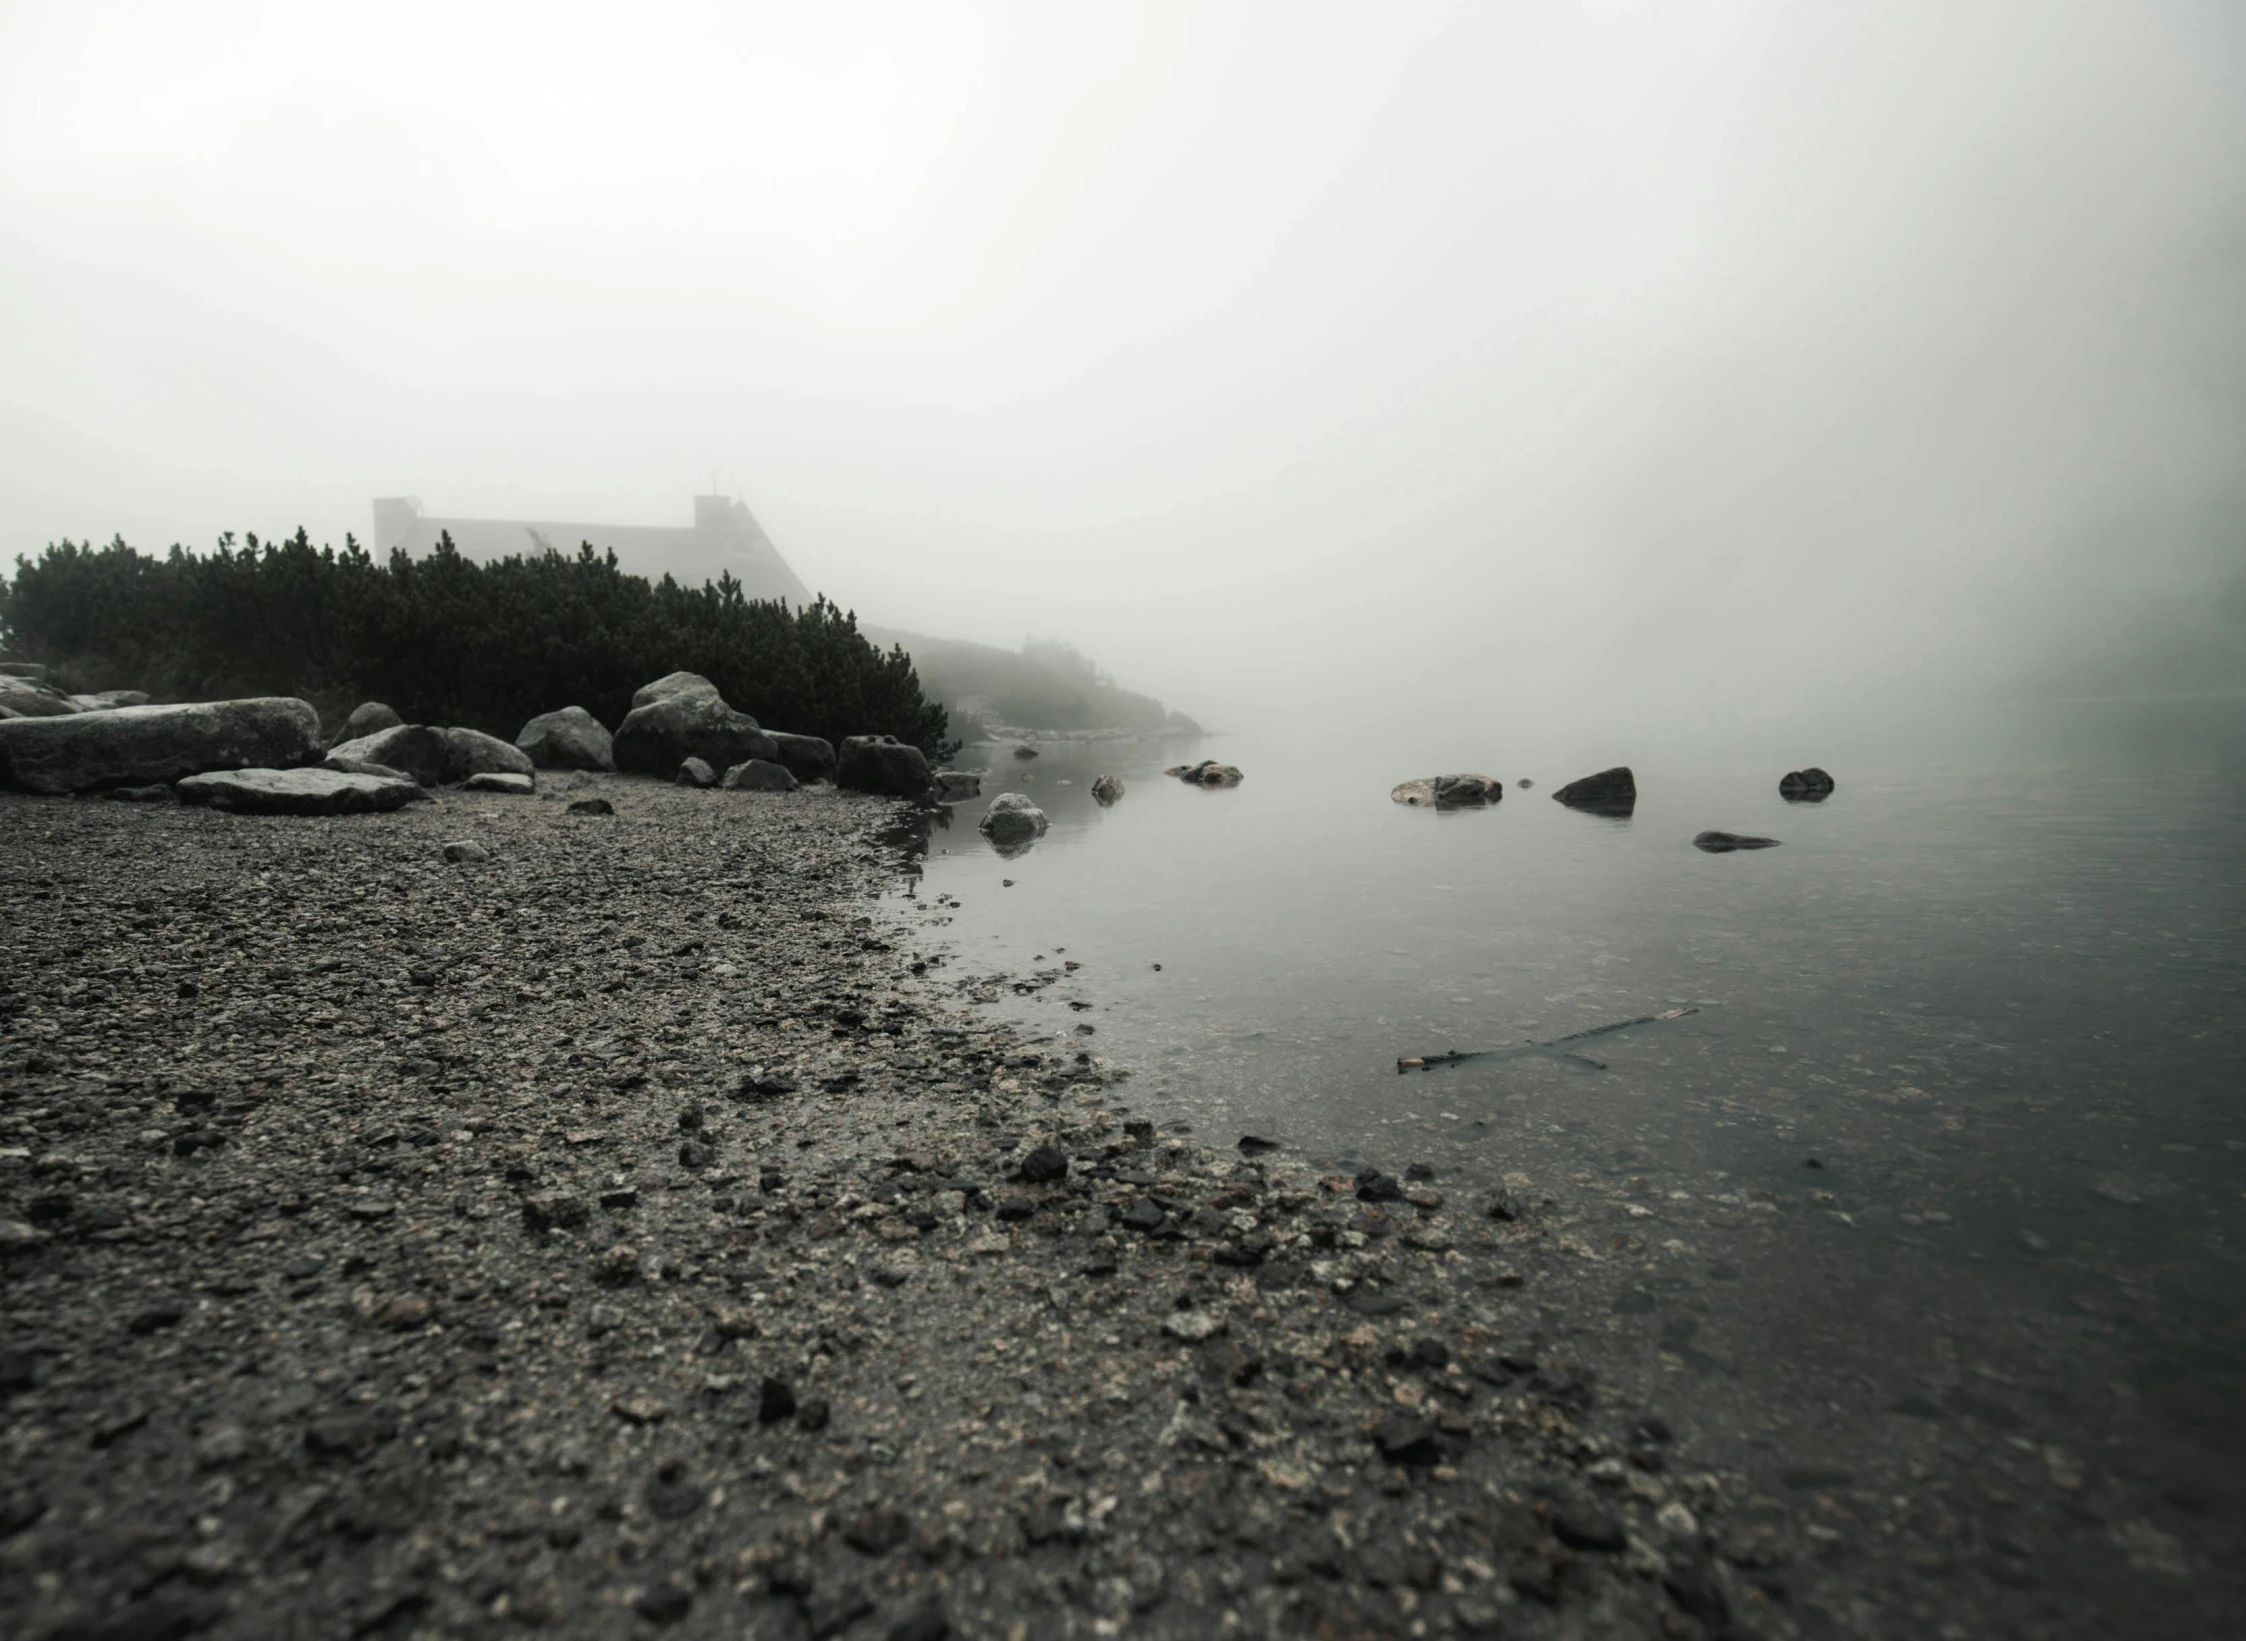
1997 999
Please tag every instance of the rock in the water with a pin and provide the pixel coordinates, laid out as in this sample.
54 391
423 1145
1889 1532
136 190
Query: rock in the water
416 749
466 852
682 716
881 764
694 772
759 775
472 752
955 785
297 791
368 718
521 786
1811 785
807 757
571 738
1208 772
1524 783
1106 790
109 700
1449 792
1012 818
1025 752
1723 843
134 746
1609 792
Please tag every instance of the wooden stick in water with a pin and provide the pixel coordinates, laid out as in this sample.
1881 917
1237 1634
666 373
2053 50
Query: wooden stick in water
1424 1062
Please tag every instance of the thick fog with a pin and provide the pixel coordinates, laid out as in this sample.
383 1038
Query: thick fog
1664 362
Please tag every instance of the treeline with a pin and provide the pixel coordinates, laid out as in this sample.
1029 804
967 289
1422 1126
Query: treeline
446 640
1043 685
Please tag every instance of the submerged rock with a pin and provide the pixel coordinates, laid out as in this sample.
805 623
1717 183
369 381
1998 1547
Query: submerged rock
1723 843
1811 785
297 792
1449 792
953 785
1609 792
1106 790
1025 752
570 738
1208 772
133 746
1012 818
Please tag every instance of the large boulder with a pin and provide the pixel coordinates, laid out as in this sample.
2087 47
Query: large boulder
109 700
368 718
34 698
419 750
1811 785
569 739
681 717
297 792
1107 790
759 775
1012 818
133 746
1723 843
1609 792
807 757
881 764
472 752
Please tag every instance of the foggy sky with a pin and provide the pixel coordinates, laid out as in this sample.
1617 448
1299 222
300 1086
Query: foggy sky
1459 361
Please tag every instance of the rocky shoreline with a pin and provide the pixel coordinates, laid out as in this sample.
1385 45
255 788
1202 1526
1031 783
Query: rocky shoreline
625 1233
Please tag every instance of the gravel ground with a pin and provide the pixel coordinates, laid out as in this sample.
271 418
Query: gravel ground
626 1233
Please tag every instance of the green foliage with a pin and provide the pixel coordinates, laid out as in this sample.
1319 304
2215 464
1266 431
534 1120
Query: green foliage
445 640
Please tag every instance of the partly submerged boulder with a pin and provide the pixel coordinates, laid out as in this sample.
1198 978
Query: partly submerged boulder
1208 772
571 738
1811 785
1723 843
415 748
297 792
759 775
1609 792
368 718
133 746
682 716
1106 790
807 757
1012 818
470 752
1025 752
1449 792
881 764
955 785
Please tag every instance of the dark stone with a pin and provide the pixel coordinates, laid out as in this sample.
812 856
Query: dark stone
555 1210
1430 1354
1253 1146
694 1154
930 1623
592 806
672 1494
1370 1301
833 1611
1144 1215
346 1435
156 1317
1723 843
1697 1595
1047 1165
1375 1186
775 1401
1588 1527
883 765
1811 785
664 1604
18 1510
877 1531
1420 1171
814 1415
1408 1441
1609 792
806 757
1013 1210
160 1618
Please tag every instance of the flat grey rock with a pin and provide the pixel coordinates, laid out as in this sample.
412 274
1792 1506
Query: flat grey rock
134 746
521 786
296 792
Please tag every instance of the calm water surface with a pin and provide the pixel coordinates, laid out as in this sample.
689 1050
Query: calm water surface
1999 1002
